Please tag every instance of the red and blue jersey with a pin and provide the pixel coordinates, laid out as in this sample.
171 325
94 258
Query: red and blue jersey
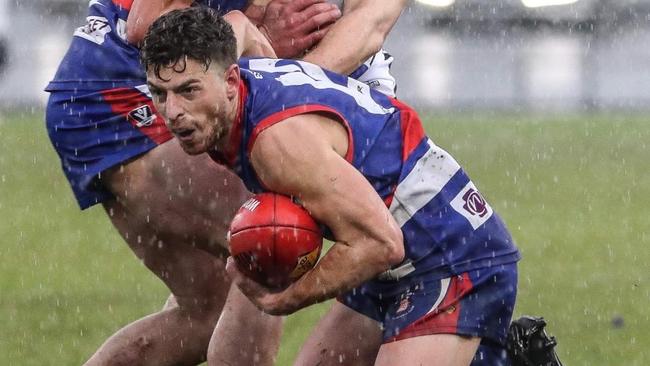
99 56
448 226
100 112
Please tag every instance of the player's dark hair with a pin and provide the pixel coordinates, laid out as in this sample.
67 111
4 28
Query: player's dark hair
197 33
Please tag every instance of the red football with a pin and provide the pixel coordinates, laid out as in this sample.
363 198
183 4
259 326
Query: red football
273 240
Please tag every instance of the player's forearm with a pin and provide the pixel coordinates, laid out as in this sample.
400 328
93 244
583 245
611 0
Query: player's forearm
144 12
343 268
362 31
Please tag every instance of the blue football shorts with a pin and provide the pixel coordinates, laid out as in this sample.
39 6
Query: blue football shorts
477 303
95 130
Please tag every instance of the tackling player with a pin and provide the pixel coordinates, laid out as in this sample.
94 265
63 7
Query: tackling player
422 266
116 151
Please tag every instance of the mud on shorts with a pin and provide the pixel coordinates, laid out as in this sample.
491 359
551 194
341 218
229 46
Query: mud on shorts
477 303
94 130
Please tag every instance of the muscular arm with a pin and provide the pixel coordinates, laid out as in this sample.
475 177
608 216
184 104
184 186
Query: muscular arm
357 35
290 26
302 156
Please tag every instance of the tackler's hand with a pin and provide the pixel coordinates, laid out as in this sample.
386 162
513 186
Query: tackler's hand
294 26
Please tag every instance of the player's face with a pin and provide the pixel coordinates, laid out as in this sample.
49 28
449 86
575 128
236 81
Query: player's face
198 105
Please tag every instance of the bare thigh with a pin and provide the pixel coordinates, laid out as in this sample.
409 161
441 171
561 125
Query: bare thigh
196 278
181 197
173 210
429 350
342 337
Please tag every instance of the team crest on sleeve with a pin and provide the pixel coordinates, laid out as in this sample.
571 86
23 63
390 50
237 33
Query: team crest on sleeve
470 203
142 116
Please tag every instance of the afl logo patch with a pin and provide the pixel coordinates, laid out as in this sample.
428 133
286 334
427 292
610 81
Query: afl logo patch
142 116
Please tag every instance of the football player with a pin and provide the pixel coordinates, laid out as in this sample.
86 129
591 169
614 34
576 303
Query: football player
115 150
422 267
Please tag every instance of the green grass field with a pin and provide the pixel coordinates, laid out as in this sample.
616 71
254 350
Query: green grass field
575 192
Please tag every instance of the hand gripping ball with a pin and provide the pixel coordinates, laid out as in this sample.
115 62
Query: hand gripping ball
273 240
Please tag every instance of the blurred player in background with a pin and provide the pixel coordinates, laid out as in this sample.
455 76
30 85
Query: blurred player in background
173 211
423 269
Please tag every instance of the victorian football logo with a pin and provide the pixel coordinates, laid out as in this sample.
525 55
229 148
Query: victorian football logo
142 116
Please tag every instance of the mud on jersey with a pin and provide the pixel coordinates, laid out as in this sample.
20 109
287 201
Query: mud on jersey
448 226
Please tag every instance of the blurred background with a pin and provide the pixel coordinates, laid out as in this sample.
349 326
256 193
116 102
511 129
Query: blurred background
544 102
510 54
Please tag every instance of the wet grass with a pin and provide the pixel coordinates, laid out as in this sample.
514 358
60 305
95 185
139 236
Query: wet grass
573 189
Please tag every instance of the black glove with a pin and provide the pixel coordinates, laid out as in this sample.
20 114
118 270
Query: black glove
529 345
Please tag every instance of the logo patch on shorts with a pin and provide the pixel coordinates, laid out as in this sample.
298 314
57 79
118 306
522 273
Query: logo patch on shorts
405 305
471 204
142 116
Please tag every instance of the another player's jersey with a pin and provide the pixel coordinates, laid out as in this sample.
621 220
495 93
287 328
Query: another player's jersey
376 73
448 226
99 56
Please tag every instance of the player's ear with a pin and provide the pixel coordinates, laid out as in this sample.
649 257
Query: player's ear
231 78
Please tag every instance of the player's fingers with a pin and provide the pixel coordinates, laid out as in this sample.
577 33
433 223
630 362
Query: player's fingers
300 5
319 14
311 39
315 29
287 8
304 20
318 23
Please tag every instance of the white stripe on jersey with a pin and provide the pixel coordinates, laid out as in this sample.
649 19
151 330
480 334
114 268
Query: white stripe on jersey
427 178
378 75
